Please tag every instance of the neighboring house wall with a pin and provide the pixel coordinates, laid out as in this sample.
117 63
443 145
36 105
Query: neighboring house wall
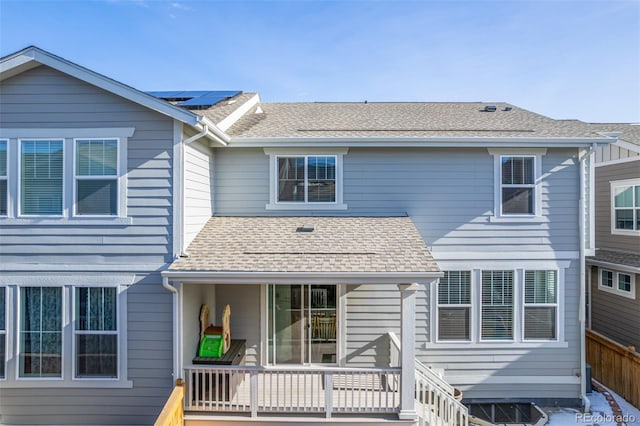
614 152
449 194
605 239
128 252
613 315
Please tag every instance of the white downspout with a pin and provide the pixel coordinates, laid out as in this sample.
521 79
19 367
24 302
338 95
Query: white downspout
581 310
176 327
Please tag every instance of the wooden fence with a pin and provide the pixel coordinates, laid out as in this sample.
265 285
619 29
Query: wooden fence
614 365
173 412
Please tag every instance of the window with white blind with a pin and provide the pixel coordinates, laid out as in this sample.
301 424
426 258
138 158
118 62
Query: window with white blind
625 205
540 305
517 185
40 343
3 178
454 306
96 332
41 177
96 177
497 305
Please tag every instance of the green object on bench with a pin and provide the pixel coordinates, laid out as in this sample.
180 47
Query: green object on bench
211 346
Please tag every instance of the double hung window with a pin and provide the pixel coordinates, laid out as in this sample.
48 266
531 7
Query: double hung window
96 332
517 185
41 177
3 330
497 305
96 176
540 305
625 217
3 178
454 306
40 332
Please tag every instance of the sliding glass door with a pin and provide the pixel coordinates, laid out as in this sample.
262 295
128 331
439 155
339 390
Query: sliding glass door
302 324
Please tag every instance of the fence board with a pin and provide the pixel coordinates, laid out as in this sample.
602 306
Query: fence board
615 366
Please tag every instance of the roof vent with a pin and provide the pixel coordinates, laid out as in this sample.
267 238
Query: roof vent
507 109
307 227
490 108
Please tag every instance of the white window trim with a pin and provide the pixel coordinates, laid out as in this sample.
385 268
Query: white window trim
476 268
615 185
67 379
121 204
498 154
76 332
6 178
275 153
544 305
470 306
615 289
68 135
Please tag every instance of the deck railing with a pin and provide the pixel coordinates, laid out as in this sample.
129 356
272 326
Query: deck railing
435 398
172 413
259 389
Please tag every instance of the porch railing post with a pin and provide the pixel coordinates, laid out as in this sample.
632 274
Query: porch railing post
253 393
328 394
407 354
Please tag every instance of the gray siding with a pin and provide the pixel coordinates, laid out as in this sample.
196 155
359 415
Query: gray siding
604 175
198 185
44 98
449 195
615 316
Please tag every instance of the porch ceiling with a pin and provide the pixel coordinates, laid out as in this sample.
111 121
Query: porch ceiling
337 245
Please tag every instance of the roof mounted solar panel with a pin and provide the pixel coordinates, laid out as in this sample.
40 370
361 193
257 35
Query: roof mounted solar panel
210 98
195 98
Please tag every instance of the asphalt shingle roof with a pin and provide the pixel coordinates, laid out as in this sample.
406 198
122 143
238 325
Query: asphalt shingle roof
630 132
218 112
617 258
338 244
398 119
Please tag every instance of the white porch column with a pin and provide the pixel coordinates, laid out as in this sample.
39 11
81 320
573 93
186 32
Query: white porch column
407 355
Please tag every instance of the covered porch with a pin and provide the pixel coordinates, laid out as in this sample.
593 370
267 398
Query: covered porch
288 281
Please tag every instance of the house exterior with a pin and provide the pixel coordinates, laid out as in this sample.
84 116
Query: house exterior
373 255
614 270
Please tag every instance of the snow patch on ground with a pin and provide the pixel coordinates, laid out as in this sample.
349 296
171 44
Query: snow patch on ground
601 413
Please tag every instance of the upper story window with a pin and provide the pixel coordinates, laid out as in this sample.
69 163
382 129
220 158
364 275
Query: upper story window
517 185
517 177
3 178
41 177
64 176
625 205
96 176
305 179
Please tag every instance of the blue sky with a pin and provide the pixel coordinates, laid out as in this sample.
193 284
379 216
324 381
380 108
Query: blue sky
561 58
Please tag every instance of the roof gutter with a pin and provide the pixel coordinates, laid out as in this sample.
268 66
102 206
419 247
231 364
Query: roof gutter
409 142
210 130
258 277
